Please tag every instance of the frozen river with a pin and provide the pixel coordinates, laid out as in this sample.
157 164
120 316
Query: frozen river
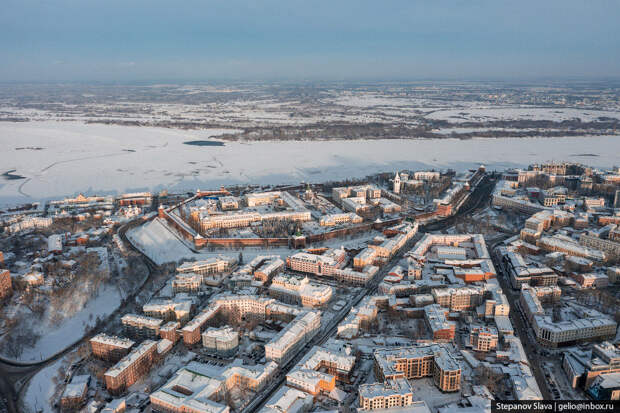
65 158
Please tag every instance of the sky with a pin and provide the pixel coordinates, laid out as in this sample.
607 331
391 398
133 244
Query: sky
132 40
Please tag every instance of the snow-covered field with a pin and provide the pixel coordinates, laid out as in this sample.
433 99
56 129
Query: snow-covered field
527 113
95 158
41 388
56 338
157 240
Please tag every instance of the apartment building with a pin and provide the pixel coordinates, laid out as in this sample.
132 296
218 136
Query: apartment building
288 399
202 388
364 257
110 348
582 369
389 394
591 325
318 371
300 290
294 336
483 338
517 204
170 331
356 278
521 272
561 243
325 264
170 310
209 266
234 308
438 324
419 361
268 269
222 341
609 247
131 368
228 202
359 318
139 326
458 299
339 219
6 287
187 283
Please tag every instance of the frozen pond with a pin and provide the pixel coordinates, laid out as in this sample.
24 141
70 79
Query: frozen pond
64 158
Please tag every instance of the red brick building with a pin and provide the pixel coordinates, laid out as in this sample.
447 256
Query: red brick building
110 348
6 288
131 368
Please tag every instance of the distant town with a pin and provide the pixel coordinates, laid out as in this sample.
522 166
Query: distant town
406 291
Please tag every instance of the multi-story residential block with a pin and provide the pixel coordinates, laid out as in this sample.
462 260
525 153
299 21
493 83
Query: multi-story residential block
294 336
364 257
458 299
319 369
6 287
139 326
581 369
360 317
562 243
131 368
202 388
288 399
222 341
520 272
338 219
74 395
419 361
187 283
592 280
609 247
170 331
170 310
437 322
268 269
483 338
592 325
325 264
517 204
389 394
110 348
300 290
613 274
209 266
235 308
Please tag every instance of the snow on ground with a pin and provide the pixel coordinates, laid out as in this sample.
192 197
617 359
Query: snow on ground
492 114
112 159
55 339
161 244
38 394
366 100
156 240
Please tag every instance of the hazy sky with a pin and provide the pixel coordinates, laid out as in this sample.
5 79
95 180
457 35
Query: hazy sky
113 40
